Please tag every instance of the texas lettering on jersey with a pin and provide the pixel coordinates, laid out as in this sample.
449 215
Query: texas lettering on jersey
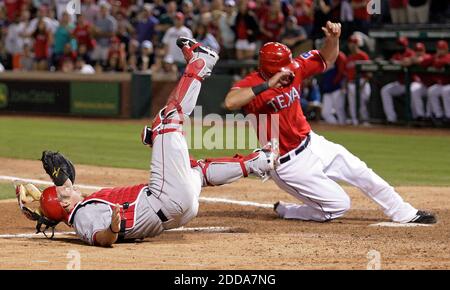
284 102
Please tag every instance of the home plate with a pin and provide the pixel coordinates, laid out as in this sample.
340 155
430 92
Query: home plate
398 225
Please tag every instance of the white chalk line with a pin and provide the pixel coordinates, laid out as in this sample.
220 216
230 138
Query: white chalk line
399 225
59 234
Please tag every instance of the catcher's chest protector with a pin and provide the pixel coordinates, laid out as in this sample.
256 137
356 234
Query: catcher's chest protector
126 197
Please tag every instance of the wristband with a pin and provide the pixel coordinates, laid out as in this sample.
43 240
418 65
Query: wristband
260 88
113 231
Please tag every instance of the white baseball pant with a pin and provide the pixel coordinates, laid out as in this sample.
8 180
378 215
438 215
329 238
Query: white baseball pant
364 97
395 89
333 107
434 93
312 176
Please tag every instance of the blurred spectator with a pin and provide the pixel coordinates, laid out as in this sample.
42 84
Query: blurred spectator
159 8
82 67
145 26
42 41
13 41
271 25
145 59
203 36
216 5
396 88
82 33
260 8
67 66
90 10
357 54
105 28
418 11
398 10
171 36
188 11
361 17
322 13
62 36
331 86
164 68
226 34
167 20
304 11
67 55
246 29
114 63
42 14
83 52
26 59
13 8
293 33
123 24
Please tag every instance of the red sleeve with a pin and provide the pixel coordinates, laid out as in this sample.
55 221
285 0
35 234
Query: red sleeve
246 82
427 61
341 67
311 63
441 62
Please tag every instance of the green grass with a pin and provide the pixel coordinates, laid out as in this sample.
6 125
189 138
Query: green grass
6 191
400 159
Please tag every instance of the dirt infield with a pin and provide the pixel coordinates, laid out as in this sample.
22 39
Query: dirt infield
254 238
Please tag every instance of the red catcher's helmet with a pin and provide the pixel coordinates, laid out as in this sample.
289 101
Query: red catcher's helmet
275 57
50 206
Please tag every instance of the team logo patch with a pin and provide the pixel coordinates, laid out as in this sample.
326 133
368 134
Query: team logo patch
306 55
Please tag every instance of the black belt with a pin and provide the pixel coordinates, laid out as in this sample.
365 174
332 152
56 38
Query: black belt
159 213
297 151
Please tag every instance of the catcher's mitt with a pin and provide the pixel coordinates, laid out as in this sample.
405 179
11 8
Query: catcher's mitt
26 194
58 167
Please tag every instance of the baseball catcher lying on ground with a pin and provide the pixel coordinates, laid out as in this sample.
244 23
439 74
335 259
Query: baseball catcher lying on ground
170 199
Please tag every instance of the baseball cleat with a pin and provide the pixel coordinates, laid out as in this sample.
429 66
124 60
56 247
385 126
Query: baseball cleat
279 208
193 51
424 217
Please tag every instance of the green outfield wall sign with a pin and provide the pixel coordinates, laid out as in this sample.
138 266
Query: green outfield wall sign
34 96
95 98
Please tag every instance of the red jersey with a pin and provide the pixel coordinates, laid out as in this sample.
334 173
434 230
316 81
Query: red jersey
398 4
12 9
41 46
361 12
83 36
302 17
274 25
408 52
439 62
283 103
351 63
124 196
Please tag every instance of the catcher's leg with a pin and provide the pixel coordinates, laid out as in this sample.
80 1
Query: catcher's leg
219 171
183 98
172 179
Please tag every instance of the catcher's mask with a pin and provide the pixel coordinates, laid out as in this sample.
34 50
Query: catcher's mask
51 209
50 205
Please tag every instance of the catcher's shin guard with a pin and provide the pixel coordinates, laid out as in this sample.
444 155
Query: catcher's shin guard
218 171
